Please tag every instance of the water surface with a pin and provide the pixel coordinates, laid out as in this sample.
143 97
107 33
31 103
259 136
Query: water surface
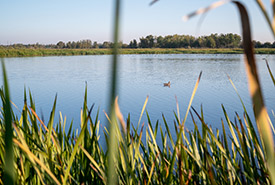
139 76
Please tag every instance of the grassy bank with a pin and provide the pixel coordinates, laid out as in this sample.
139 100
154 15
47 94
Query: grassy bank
69 52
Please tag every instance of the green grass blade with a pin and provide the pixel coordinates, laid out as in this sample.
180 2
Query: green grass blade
112 147
265 13
168 131
142 111
9 175
191 99
50 124
259 108
178 109
270 73
75 149
178 142
236 92
95 164
231 128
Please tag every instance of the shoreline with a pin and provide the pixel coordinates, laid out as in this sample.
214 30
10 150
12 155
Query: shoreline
6 53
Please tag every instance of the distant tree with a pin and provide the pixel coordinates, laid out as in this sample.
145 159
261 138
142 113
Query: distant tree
228 40
191 39
210 42
196 44
106 44
74 44
95 45
143 43
124 45
47 46
60 45
37 45
168 42
267 45
151 41
236 41
86 44
185 41
78 45
18 46
148 42
217 39
202 42
232 40
160 42
130 44
178 41
120 44
69 45
257 44
135 44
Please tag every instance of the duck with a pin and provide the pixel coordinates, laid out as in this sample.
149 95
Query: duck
167 84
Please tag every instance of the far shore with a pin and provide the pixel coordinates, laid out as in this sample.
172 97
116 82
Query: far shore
4 52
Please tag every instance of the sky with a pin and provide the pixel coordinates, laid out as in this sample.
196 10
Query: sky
51 21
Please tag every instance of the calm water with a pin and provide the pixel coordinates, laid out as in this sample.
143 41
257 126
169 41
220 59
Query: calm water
139 76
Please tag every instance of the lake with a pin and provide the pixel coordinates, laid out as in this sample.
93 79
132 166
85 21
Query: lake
139 76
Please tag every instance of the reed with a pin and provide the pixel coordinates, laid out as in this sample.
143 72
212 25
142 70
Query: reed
262 118
9 177
72 52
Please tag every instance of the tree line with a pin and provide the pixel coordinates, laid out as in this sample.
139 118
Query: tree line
186 41
229 40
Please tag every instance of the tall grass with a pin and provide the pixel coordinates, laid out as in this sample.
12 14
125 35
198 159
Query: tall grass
9 177
262 118
112 147
72 52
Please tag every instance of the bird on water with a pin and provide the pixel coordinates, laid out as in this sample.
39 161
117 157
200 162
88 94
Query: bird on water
167 84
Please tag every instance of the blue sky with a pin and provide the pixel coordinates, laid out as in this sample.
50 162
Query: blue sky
50 21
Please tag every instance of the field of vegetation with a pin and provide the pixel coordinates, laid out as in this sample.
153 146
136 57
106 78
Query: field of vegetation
35 152
4 52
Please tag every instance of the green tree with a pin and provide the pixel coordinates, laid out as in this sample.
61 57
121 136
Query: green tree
60 45
95 45
267 45
144 43
160 42
107 45
135 45
69 45
210 42
151 41
73 44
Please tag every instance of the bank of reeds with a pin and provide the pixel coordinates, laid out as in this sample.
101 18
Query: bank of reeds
6 52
